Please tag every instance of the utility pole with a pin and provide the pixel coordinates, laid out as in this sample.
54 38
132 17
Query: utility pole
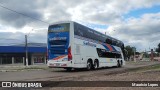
134 49
26 47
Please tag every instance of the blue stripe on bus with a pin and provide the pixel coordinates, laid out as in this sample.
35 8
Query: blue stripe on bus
106 47
87 39
113 48
104 44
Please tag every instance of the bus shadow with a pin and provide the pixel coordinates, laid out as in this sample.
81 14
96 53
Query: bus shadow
84 69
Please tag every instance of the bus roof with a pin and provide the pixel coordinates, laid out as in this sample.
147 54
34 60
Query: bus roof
59 22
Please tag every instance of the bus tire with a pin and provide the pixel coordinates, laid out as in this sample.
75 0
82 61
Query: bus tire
96 64
121 63
118 63
89 65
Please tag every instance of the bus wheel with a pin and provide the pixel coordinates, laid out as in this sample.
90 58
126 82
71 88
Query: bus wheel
118 63
89 65
121 63
95 64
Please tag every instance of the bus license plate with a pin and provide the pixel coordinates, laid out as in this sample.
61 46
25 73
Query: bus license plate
57 64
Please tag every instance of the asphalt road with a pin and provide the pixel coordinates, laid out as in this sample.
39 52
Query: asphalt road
61 74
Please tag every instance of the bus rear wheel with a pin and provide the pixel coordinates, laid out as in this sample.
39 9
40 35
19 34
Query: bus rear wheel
119 63
89 65
95 64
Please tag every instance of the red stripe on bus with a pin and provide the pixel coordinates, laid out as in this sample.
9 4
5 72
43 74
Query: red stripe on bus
59 57
110 48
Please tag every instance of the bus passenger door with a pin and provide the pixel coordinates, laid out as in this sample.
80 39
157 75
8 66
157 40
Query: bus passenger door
77 54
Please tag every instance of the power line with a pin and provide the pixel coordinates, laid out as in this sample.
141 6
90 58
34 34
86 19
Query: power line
22 13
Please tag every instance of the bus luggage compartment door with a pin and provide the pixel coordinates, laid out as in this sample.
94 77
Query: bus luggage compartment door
77 55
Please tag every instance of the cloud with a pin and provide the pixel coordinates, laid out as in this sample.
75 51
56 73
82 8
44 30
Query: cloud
10 18
141 32
107 11
16 38
38 36
10 38
103 12
132 31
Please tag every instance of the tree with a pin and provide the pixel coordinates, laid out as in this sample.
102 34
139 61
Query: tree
130 51
158 49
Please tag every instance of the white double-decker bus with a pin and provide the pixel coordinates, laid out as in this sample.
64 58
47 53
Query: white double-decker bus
72 45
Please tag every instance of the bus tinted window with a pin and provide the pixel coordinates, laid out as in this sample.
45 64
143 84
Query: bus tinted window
86 32
105 54
58 42
59 28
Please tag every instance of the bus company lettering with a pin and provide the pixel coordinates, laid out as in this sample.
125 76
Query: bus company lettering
57 28
58 38
89 44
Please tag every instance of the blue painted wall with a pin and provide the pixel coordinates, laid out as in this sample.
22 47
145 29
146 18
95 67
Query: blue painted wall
21 49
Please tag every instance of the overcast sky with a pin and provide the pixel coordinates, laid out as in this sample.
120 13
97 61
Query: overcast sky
135 22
